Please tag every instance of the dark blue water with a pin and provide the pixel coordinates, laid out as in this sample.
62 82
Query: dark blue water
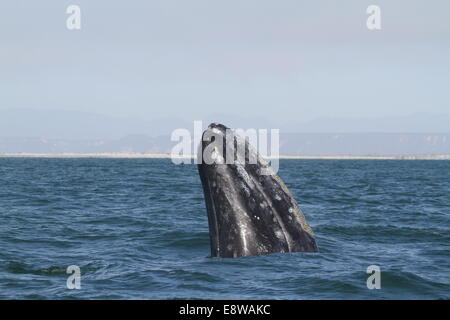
137 228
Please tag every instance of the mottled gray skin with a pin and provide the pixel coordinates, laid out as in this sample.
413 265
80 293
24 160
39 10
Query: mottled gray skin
249 213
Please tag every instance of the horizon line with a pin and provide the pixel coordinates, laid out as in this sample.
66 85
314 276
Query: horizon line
137 155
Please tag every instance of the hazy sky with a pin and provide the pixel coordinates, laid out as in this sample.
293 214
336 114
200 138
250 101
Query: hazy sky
277 59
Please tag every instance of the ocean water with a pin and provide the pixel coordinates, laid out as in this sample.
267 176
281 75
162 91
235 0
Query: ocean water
137 228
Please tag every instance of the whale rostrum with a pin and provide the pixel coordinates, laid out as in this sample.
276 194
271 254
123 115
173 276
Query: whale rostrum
250 210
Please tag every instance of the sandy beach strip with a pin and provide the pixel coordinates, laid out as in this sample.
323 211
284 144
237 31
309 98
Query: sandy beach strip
129 155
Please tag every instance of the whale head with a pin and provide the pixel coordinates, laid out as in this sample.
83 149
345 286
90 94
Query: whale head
250 210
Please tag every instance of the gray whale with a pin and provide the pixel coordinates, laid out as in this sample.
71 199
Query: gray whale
249 213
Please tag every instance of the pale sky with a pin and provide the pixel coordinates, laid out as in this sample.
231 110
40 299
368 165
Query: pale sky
279 60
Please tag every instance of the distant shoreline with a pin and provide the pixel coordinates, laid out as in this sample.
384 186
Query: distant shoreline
124 155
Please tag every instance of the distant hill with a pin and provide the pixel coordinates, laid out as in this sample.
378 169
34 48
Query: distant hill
414 123
290 144
57 131
364 144
75 125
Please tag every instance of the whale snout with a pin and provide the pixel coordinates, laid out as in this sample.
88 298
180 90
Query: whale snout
248 213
